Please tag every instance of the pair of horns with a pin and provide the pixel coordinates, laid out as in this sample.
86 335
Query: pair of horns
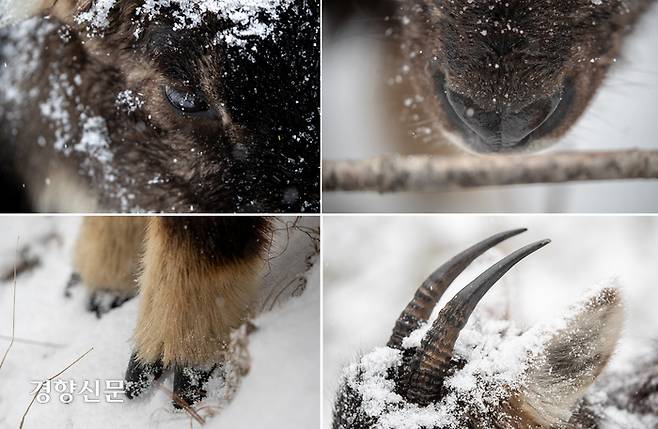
431 361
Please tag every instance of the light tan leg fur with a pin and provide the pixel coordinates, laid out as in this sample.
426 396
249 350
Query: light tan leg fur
188 305
107 253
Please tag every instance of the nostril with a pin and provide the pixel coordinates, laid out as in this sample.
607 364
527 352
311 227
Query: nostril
504 126
485 124
517 125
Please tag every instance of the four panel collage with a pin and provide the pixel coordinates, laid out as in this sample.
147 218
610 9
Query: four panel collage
336 214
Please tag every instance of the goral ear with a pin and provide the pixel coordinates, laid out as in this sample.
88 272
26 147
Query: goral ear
573 355
15 10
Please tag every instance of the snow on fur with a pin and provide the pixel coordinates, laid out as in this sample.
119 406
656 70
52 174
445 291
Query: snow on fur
497 358
248 18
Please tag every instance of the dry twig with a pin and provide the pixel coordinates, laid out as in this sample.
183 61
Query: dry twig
13 310
47 380
172 395
423 173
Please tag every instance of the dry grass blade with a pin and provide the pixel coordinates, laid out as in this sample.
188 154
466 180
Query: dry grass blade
32 342
279 288
13 311
27 410
191 411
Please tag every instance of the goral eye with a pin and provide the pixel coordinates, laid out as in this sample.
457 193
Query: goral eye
186 101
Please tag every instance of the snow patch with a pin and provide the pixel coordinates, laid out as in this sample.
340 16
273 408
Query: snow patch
56 108
496 356
248 18
53 329
129 101
95 144
20 56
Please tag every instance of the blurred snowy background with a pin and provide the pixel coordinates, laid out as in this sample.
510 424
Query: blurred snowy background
372 265
282 388
622 116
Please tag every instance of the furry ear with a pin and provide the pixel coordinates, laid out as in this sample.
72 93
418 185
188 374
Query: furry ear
573 355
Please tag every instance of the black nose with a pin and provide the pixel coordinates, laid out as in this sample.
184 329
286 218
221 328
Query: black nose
505 126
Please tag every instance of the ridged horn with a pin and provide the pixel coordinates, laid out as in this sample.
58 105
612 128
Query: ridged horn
432 360
428 294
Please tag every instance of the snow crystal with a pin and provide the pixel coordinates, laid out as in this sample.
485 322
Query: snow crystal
129 100
74 129
97 15
95 142
21 56
98 160
226 379
56 109
492 368
249 18
374 387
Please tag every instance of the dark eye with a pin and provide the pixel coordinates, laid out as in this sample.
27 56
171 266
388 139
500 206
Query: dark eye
186 101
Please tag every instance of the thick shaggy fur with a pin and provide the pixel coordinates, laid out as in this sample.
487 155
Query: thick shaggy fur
192 296
556 383
257 152
197 279
572 360
107 253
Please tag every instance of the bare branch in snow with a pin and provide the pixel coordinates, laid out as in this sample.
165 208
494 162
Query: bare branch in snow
424 173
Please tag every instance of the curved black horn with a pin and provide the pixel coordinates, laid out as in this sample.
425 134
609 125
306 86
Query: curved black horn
428 294
432 360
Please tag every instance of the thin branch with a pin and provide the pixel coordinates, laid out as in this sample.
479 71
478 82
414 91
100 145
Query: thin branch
424 173
13 310
172 395
50 379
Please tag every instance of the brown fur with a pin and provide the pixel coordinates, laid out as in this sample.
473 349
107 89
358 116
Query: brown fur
196 284
107 252
188 307
501 55
256 150
468 48
571 361
564 363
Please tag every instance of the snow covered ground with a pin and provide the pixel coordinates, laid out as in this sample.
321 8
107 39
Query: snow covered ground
622 116
373 265
282 388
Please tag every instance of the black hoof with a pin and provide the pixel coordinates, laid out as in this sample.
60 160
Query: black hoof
188 385
74 281
101 302
140 376
27 261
